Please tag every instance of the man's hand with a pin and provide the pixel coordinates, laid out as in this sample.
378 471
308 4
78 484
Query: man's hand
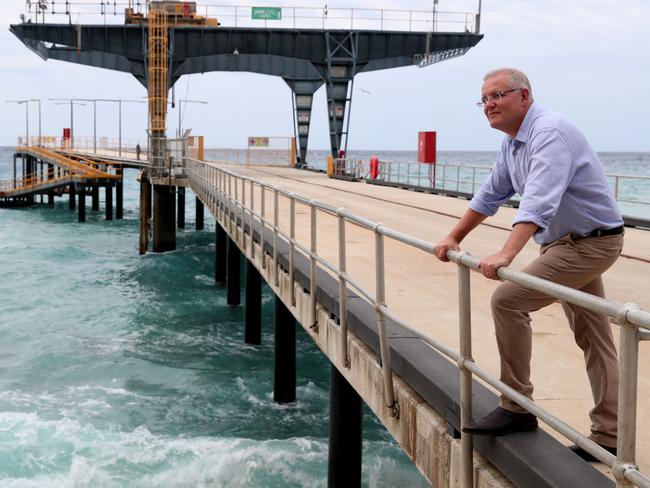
490 264
449 242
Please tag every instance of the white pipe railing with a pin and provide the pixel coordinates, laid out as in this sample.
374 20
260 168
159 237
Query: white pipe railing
468 178
289 17
208 182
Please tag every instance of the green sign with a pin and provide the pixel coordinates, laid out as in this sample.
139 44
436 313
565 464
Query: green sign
266 13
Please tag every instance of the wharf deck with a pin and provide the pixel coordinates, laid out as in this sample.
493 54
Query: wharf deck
69 169
423 291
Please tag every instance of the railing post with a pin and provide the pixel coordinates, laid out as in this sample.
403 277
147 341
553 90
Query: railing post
312 269
343 307
628 370
262 225
243 213
250 225
292 236
275 236
616 187
457 178
380 301
465 329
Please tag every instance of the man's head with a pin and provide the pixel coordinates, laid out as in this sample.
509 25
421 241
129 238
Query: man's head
506 97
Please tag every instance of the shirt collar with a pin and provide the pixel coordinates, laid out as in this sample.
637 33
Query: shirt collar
524 128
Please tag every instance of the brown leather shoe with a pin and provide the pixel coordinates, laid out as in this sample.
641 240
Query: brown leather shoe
501 422
587 456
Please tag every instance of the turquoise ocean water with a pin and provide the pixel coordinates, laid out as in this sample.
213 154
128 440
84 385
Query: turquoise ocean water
121 370
125 370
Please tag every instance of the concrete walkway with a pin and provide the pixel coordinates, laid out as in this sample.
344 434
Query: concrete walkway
424 291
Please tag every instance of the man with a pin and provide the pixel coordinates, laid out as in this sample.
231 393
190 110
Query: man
567 207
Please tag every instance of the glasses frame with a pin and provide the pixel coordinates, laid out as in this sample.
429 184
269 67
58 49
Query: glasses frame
495 96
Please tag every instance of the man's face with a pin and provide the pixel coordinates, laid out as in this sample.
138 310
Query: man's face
508 113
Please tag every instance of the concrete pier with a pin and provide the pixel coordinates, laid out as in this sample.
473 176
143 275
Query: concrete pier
233 271
82 203
164 218
199 214
284 371
220 254
181 207
145 213
119 194
109 202
346 427
94 195
72 196
253 305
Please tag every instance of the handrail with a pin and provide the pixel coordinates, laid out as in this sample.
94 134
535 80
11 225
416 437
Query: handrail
277 16
466 178
209 180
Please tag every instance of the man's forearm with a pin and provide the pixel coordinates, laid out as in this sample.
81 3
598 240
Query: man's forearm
520 235
467 223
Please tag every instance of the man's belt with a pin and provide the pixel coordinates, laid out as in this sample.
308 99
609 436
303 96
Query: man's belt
601 233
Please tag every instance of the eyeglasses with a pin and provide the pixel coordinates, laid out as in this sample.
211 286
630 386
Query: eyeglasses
495 96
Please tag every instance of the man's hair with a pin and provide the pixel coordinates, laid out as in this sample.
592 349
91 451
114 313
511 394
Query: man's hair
516 78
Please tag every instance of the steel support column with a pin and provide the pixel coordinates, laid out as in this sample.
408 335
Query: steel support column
94 192
220 254
145 212
82 203
119 194
346 421
72 196
181 207
284 378
199 214
164 218
253 311
109 202
233 271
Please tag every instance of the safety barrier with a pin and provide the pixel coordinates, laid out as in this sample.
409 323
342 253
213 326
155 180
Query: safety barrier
289 17
229 190
464 178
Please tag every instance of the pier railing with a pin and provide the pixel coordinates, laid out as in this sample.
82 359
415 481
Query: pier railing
467 179
237 197
289 17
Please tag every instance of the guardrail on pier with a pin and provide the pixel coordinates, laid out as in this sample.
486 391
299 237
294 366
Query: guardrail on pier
467 179
237 195
289 17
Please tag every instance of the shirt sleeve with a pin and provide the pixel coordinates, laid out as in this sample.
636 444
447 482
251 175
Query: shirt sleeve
550 171
496 190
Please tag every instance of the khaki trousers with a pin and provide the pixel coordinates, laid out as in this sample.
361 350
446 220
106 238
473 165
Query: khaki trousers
579 264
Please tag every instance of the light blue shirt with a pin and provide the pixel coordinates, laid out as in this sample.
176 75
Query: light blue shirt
560 179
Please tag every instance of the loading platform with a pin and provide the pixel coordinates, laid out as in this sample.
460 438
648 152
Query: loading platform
421 292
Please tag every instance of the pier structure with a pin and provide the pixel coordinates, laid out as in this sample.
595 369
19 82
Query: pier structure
168 40
400 338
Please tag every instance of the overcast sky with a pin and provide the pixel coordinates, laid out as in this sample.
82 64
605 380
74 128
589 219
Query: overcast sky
585 58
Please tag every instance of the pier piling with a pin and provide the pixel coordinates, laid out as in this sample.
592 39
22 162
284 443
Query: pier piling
82 203
284 377
220 254
181 207
233 270
199 214
72 196
119 194
95 198
164 209
346 421
145 212
253 311
109 202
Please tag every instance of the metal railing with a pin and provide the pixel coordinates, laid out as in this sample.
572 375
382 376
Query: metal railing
108 146
463 178
112 12
219 189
